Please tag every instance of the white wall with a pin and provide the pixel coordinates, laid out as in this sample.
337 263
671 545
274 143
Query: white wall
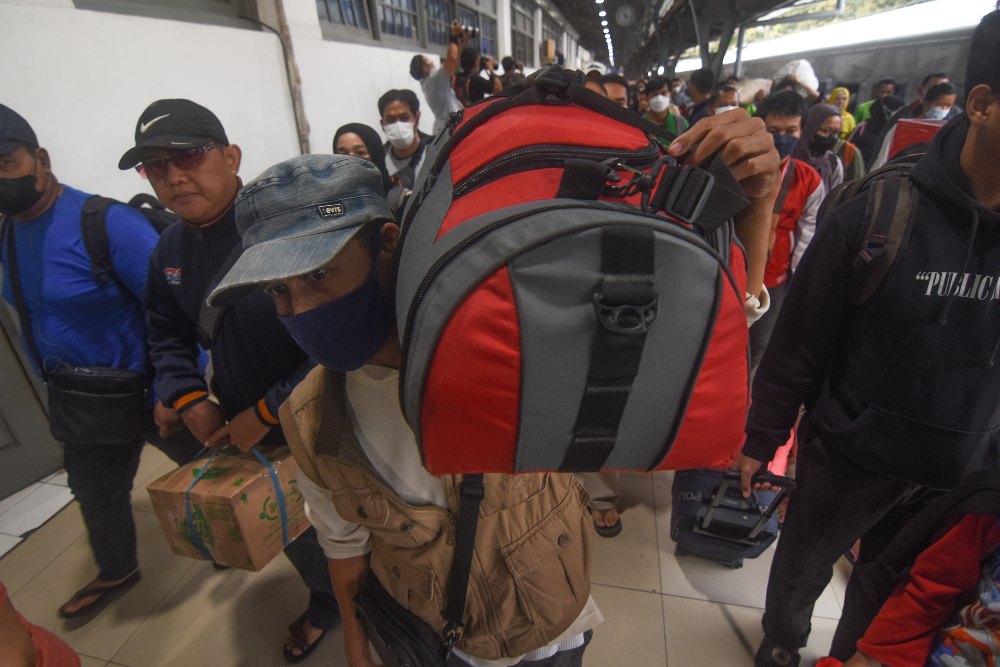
82 78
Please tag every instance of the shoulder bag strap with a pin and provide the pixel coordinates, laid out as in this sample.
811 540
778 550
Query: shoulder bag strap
461 565
19 302
209 317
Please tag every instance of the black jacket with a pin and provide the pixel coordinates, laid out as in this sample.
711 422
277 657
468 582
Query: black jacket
908 384
253 357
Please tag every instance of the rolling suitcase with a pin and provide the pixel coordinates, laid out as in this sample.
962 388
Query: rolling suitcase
711 519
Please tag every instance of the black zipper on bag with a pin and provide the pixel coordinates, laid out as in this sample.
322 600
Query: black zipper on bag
669 227
553 154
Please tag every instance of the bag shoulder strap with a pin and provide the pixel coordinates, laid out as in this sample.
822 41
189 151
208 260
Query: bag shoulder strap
17 288
892 205
210 317
472 492
786 186
94 230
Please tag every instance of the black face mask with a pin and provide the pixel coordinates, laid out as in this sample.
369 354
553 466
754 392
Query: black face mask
824 143
17 195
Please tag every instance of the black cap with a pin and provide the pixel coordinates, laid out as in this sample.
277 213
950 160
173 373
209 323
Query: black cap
176 124
15 131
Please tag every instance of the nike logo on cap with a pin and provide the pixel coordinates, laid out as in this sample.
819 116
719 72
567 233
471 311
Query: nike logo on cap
145 126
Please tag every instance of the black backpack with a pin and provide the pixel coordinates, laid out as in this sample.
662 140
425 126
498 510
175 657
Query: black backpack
891 207
94 230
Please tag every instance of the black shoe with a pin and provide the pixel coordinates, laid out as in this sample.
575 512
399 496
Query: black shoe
770 654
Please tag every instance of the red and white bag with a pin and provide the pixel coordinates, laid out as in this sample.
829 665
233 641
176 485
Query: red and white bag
569 297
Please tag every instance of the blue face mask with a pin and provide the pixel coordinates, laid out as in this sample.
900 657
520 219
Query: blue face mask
785 143
347 332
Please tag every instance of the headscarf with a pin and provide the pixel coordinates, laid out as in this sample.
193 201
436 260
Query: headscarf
373 142
848 119
823 161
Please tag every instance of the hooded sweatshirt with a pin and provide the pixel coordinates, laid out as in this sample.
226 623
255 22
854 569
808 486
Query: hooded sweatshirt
906 384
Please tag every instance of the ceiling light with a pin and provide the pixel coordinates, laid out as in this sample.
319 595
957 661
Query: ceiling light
659 70
602 13
607 31
604 22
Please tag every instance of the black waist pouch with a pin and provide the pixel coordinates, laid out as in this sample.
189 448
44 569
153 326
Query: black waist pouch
400 638
96 406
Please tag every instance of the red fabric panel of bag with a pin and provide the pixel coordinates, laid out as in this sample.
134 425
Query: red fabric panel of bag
469 417
534 125
710 434
517 188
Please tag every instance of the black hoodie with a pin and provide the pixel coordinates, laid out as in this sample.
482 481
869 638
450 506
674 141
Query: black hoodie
908 384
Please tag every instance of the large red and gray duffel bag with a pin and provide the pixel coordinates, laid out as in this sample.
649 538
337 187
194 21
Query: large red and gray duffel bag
570 297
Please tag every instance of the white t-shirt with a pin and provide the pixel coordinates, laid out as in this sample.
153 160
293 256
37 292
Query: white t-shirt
440 97
388 442
393 165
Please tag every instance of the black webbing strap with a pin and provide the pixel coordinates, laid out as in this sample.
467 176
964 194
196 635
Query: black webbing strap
472 492
625 307
18 291
94 230
891 205
209 317
786 185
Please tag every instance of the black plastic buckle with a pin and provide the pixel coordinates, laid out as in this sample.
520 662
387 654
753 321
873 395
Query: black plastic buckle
640 181
626 319
688 194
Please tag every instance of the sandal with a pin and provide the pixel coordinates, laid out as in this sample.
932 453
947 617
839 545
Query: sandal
299 640
103 595
607 531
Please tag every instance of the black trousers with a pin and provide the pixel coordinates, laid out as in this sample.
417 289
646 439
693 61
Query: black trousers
101 477
837 501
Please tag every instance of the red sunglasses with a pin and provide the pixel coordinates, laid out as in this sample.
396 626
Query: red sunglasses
185 161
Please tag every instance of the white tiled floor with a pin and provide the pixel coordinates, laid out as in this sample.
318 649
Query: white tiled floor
659 610
31 507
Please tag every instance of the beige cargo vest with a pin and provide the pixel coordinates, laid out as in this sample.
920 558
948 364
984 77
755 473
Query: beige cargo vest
531 569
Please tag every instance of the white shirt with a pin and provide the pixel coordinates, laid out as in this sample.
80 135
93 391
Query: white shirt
440 97
388 442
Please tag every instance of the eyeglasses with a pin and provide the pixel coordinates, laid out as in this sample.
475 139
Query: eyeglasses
827 131
185 161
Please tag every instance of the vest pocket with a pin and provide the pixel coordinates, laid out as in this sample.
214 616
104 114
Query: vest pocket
550 566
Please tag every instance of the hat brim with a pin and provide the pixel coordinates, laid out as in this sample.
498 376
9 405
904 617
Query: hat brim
134 155
279 259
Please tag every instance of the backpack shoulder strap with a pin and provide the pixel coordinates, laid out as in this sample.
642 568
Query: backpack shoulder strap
892 205
94 230
786 186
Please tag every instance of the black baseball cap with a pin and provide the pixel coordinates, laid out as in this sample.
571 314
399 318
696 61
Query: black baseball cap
177 124
15 131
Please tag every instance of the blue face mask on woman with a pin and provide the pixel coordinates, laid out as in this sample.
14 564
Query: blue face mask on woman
345 333
785 143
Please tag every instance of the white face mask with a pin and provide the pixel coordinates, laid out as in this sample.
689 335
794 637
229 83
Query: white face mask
937 113
400 135
725 109
659 103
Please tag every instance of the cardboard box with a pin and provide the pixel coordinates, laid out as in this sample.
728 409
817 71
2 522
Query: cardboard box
234 508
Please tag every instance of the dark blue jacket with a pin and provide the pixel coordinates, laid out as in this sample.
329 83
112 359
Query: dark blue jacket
253 357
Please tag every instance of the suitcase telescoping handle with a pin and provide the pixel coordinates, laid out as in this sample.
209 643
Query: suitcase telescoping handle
732 479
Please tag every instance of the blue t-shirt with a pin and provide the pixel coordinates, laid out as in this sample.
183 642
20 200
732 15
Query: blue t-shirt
75 319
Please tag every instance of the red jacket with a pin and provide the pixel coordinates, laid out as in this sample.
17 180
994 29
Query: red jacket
796 223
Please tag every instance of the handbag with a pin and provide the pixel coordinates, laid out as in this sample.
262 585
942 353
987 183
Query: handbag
87 406
400 638
96 406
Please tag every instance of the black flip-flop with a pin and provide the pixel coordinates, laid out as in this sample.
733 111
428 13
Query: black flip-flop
298 638
104 595
607 531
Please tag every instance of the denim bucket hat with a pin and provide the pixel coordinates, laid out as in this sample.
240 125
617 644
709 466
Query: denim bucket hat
297 215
